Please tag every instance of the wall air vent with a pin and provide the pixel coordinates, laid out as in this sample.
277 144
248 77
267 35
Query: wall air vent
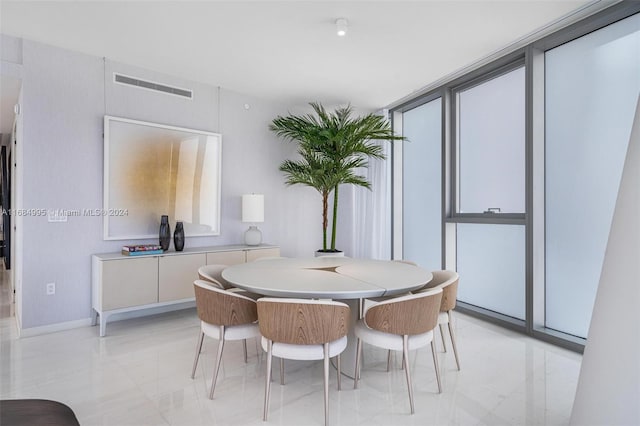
150 85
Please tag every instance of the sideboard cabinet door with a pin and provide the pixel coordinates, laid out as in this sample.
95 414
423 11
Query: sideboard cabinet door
266 252
129 282
177 274
225 257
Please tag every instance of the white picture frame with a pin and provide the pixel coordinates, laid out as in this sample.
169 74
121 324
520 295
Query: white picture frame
151 170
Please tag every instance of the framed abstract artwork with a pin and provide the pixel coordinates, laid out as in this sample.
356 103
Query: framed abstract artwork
152 170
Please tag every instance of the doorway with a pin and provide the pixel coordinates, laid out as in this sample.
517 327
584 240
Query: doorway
9 96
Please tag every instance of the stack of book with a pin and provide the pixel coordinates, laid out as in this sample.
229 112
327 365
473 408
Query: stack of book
141 249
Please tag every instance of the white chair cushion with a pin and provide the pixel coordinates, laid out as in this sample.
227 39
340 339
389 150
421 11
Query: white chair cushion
305 352
443 318
390 341
231 332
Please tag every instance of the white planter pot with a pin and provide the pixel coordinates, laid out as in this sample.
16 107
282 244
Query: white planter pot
329 253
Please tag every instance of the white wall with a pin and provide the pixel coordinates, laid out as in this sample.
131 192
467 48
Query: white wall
609 386
66 95
10 56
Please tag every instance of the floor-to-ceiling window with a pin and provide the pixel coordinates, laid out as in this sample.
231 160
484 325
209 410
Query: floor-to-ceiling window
490 192
422 205
591 91
533 151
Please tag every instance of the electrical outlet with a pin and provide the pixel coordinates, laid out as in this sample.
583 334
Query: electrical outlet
51 289
57 216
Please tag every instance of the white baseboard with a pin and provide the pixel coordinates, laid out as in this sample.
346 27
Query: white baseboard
52 328
62 326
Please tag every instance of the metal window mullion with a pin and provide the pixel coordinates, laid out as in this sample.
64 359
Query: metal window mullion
454 189
397 188
537 190
528 183
489 220
445 205
454 128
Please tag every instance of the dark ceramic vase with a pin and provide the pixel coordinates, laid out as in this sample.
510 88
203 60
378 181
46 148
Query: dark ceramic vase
165 233
178 237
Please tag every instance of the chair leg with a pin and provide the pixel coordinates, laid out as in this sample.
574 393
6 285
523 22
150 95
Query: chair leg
357 371
444 345
326 384
405 361
435 365
198 350
388 360
339 373
453 342
282 371
244 346
218 360
267 386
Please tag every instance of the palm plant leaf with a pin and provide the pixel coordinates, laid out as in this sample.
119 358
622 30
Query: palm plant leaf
332 147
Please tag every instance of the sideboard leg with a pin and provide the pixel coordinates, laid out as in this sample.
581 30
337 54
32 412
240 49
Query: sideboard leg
94 317
103 325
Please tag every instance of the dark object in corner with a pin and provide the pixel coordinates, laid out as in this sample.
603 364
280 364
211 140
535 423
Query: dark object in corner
165 233
29 412
178 237
5 200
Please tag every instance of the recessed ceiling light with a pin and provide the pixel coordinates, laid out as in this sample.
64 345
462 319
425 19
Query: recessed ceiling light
341 27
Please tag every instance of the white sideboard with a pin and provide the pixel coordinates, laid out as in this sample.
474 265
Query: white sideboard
121 283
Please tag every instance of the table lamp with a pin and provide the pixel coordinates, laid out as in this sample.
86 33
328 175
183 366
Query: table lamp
253 212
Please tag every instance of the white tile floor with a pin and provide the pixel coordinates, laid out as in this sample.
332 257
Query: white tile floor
6 294
139 374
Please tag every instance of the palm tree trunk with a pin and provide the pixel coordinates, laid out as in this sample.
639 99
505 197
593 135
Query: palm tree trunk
335 218
325 219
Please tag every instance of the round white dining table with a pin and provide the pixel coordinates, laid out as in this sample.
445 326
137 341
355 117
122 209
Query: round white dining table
340 278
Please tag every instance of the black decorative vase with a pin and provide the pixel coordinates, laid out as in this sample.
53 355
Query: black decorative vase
165 233
178 237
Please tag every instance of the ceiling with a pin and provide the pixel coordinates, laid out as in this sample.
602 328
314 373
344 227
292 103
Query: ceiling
288 50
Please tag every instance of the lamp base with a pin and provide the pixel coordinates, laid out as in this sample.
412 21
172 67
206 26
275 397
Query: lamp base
253 236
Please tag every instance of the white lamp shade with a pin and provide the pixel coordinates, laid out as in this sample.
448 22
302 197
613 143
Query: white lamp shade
253 208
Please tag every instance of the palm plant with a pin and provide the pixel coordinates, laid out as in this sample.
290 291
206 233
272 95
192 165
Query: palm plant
332 147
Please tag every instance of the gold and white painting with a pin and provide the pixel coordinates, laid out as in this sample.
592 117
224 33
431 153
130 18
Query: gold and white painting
153 170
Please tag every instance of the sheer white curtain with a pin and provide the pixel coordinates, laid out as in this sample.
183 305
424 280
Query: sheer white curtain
372 210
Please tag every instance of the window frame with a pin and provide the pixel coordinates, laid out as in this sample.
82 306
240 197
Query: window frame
490 218
530 53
